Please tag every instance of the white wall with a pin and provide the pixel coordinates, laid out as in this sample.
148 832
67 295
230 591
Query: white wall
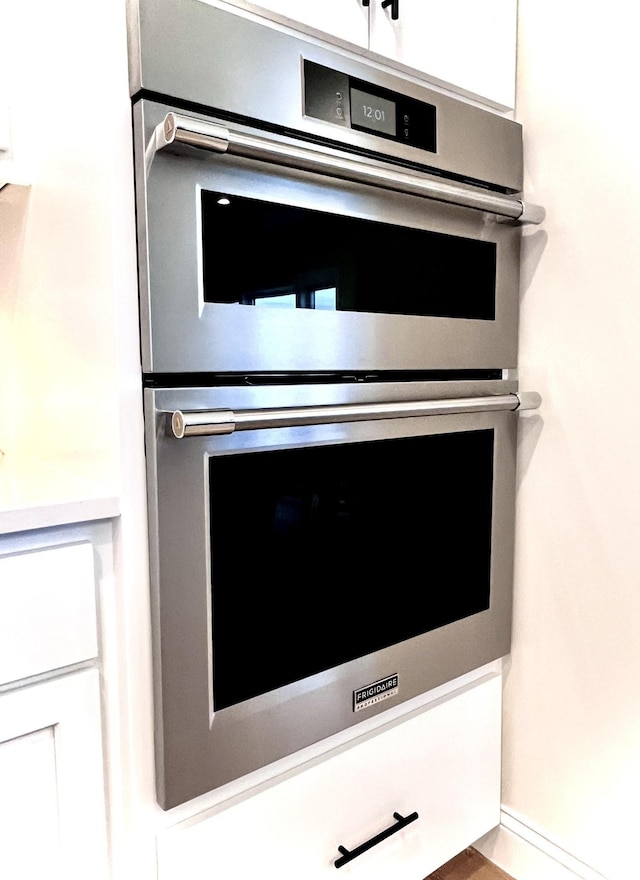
67 91
572 725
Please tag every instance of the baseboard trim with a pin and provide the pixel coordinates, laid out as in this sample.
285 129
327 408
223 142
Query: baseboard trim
526 854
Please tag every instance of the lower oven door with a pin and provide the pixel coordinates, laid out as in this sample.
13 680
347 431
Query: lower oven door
308 576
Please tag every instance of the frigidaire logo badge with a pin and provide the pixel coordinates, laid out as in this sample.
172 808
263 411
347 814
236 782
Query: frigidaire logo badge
374 693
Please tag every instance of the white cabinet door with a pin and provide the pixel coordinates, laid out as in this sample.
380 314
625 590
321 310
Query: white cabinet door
52 814
469 45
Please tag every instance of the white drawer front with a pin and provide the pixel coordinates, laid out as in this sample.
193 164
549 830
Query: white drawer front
47 610
443 763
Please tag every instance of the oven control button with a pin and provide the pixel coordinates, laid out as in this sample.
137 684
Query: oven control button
326 94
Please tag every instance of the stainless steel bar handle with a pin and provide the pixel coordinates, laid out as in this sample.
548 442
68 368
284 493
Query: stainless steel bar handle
219 139
226 421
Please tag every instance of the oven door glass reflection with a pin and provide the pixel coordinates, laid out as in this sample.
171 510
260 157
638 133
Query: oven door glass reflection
301 258
323 554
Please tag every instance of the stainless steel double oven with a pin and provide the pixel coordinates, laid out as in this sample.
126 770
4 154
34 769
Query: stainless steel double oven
329 267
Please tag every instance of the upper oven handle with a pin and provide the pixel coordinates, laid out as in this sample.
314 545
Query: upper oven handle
226 421
177 129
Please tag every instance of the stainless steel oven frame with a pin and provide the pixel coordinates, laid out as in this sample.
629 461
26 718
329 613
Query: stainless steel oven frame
220 104
199 749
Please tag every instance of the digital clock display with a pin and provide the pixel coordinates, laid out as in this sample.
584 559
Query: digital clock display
369 111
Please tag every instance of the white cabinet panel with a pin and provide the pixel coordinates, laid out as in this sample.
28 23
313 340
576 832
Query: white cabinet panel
346 20
47 610
443 763
467 44
52 812
29 805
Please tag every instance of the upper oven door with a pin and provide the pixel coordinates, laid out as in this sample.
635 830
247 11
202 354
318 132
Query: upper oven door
248 266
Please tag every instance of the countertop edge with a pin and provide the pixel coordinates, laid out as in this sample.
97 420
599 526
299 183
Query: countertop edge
60 513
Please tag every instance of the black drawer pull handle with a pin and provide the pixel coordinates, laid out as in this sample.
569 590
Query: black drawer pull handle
349 855
395 8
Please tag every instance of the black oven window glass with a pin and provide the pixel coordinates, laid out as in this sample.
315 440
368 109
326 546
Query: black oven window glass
296 258
323 554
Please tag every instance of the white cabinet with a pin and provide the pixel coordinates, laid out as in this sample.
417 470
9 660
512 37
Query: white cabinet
468 46
442 762
52 798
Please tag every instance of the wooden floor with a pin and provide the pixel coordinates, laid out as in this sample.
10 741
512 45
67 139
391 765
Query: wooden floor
469 865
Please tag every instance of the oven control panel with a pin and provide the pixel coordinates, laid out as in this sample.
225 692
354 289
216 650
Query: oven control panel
342 100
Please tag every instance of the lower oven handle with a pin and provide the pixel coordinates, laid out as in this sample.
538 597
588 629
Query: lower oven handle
177 129
225 421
